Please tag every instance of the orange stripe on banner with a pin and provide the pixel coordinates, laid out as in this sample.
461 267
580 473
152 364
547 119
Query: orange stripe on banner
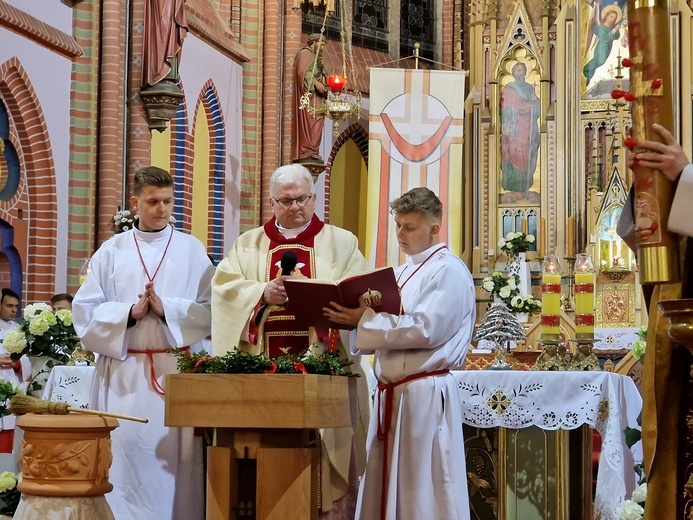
408 78
416 152
383 213
444 193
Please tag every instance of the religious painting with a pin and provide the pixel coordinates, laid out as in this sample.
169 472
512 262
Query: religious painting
603 42
520 109
415 139
614 253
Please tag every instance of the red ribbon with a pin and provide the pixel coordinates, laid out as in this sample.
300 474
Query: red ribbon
300 368
584 287
199 362
273 368
584 319
550 320
551 287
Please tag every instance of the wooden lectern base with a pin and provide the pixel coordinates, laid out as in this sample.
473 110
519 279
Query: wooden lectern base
265 458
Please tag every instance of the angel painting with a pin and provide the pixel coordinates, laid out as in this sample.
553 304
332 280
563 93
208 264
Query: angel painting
604 28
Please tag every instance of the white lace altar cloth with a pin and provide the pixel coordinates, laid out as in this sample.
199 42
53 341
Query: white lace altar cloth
70 384
616 338
63 508
605 401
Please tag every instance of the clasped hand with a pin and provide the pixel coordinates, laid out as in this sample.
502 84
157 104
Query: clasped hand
147 300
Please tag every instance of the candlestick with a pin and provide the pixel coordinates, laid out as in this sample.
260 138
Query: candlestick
523 225
571 236
551 298
584 296
541 250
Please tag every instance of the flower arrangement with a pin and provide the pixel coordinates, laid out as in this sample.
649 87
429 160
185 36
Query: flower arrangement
507 290
9 494
7 391
640 345
634 508
239 362
122 221
515 243
42 333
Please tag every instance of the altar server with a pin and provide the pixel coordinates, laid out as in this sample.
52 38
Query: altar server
147 292
416 466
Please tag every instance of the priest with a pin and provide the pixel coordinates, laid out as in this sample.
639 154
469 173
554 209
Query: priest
147 292
249 303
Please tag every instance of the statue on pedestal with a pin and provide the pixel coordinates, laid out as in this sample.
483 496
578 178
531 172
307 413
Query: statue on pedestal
309 77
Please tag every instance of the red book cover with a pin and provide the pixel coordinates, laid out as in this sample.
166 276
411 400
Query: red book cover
308 296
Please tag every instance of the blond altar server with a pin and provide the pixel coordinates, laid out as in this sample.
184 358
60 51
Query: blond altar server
249 303
147 291
415 435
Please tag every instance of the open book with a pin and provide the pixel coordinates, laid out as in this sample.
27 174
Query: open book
308 296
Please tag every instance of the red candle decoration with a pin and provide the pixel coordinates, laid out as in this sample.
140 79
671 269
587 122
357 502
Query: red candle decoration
656 83
336 83
617 93
629 142
627 62
630 97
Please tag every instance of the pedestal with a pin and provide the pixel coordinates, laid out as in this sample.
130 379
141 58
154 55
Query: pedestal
265 456
65 461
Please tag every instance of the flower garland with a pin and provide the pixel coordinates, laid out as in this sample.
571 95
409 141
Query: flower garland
239 362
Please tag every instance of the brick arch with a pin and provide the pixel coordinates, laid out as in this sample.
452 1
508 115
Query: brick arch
217 169
181 165
38 197
360 137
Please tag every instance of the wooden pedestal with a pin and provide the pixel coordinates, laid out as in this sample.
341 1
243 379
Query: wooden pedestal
266 423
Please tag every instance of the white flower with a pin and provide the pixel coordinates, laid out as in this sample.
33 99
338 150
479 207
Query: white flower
529 238
511 283
640 494
501 243
510 235
65 316
35 308
39 325
518 234
631 511
639 348
504 292
516 301
8 480
488 284
14 341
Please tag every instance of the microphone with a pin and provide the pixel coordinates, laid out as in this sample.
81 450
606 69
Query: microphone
288 262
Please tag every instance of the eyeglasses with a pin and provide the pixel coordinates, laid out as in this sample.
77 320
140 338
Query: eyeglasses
287 203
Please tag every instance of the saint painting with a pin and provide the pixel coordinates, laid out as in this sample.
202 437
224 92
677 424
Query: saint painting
605 39
520 109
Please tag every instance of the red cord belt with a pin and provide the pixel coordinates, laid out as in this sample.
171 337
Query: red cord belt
384 424
150 357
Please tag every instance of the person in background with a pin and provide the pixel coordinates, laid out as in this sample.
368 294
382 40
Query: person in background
147 293
416 461
250 311
62 301
14 371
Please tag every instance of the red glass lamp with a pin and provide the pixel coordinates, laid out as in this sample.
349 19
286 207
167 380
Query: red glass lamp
336 83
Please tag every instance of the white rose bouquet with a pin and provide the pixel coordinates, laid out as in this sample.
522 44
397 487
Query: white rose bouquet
515 243
525 303
122 221
42 333
9 494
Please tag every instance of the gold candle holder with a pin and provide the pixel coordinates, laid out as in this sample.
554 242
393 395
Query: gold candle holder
584 358
552 357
